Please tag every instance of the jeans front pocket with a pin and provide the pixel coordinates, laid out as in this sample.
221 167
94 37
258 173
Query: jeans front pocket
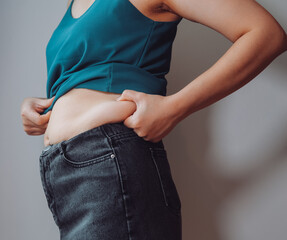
83 155
168 188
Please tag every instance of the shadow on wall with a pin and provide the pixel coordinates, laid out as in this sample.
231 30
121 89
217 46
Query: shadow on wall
219 152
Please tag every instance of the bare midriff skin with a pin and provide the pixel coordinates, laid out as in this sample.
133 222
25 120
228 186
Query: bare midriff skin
82 109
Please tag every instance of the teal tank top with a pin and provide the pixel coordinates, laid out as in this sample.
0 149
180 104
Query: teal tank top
110 48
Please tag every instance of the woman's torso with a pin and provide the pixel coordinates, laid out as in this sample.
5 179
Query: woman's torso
81 109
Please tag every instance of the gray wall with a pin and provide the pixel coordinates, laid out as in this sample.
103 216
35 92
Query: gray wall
228 160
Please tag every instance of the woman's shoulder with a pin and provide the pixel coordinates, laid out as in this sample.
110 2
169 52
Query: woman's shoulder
68 4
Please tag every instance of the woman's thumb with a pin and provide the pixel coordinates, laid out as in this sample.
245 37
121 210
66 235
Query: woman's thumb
45 117
129 95
46 102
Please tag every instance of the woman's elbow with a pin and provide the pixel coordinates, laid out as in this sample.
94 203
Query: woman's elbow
279 39
284 42
271 33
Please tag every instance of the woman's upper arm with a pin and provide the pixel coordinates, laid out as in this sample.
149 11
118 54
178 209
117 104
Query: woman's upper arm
232 18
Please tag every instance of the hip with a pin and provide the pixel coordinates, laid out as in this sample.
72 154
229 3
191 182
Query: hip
109 183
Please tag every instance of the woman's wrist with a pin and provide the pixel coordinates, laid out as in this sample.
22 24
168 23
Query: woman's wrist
176 107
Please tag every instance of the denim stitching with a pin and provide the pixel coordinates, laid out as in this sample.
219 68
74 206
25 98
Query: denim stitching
123 134
43 180
55 211
120 179
89 162
162 152
159 176
50 150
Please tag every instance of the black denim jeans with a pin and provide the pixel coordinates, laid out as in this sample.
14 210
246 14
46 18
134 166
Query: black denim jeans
109 183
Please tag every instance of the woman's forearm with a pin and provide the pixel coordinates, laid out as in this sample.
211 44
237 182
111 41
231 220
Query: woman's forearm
245 59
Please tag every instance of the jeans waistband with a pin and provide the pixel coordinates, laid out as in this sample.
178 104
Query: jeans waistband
111 130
